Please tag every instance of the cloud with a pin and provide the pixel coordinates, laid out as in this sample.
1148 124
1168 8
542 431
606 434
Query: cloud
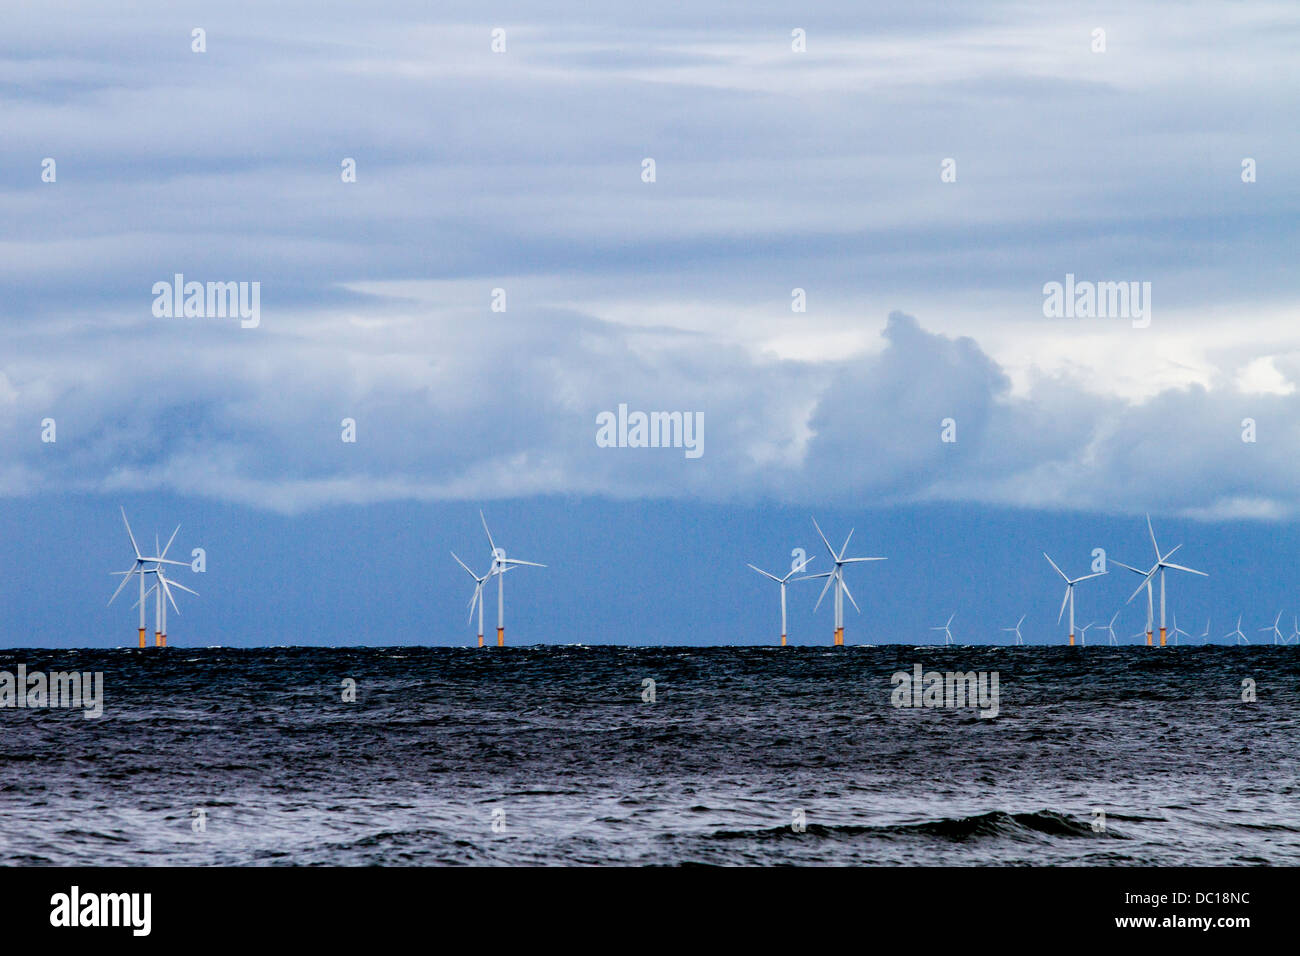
463 406
776 170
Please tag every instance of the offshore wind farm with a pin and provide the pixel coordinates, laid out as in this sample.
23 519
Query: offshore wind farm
153 567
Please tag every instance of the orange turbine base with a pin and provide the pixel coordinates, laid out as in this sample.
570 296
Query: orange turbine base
501 637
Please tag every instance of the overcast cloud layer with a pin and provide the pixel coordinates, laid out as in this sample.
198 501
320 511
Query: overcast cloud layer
775 170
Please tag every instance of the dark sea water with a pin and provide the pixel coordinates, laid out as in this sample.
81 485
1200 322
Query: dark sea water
559 745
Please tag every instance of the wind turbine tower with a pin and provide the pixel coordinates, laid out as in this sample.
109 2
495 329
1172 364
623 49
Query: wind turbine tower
1178 630
501 564
142 567
477 599
835 577
1069 592
1146 582
1162 564
1016 629
782 582
1277 632
1241 638
945 627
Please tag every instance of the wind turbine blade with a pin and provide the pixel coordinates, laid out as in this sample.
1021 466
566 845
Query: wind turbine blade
134 546
464 565
168 591
1170 553
126 578
766 575
492 544
1064 601
179 564
163 553
804 563
1179 567
531 564
1058 570
1127 566
846 543
834 556
814 577
1088 576
177 584
1141 587
1151 529
859 560
830 577
1022 619
849 594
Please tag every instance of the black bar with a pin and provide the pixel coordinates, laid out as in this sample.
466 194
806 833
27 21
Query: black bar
493 906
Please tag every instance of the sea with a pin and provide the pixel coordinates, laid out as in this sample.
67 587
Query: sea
603 755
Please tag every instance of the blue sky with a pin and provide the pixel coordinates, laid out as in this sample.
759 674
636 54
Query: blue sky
521 170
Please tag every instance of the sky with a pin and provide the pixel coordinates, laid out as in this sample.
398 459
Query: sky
822 170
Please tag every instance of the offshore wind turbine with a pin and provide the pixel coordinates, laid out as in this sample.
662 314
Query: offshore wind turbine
477 599
1019 639
160 589
836 577
1083 633
947 634
1206 636
141 567
1110 629
1241 638
501 564
1146 582
782 582
1277 632
1178 630
1069 592
160 639
1295 632
1162 564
